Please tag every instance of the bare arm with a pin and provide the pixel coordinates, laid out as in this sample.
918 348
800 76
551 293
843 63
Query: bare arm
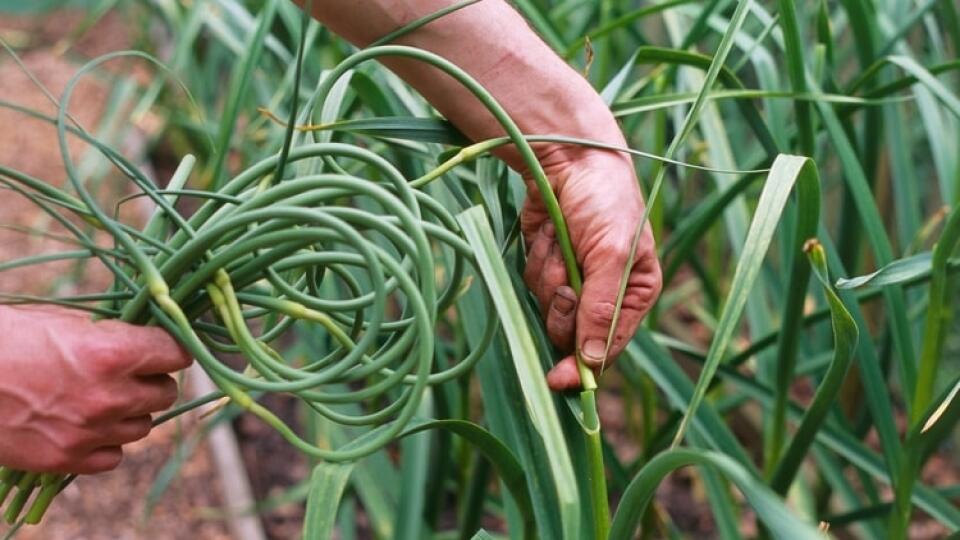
494 44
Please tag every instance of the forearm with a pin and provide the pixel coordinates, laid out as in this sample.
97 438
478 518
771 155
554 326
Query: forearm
493 44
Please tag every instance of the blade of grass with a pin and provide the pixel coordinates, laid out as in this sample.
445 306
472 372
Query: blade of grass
239 84
327 484
769 508
785 173
537 398
689 122
845 336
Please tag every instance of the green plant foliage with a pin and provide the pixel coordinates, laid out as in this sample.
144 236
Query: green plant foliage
359 254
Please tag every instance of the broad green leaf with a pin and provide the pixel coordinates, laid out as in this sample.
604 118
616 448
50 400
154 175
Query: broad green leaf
538 402
898 272
768 506
845 336
785 173
327 484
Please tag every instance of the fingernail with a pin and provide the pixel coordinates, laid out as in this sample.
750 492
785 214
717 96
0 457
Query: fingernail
548 229
563 304
592 352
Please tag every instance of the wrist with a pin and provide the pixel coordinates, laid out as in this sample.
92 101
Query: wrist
579 115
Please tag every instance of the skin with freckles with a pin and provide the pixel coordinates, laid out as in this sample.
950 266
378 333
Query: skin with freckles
597 189
74 391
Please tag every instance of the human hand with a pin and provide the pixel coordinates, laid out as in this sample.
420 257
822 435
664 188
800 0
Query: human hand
601 202
598 191
74 391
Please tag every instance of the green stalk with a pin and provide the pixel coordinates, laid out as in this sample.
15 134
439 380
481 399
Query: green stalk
805 228
9 479
939 315
943 288
50 486
26 485
596 473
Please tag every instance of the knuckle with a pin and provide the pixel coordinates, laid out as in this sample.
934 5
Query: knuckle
104 357
58 461
69 442
105 460
610 251
620 253
104 405
100 405
655 278
141 428
638 300
168 393
602 312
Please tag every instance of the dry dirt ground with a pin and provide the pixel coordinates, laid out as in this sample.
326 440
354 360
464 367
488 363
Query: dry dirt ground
108 506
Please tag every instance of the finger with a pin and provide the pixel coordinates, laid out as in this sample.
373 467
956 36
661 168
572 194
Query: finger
157 352
153 394
564 376
100 460
128 431
553 276
598 302
562 319
532 215
537 256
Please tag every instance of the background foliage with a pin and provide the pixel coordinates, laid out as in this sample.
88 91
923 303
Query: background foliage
800 399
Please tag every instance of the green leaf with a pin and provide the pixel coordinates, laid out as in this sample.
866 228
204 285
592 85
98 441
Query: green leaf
327 484
785 173
495 451
431 130
898 272
538 401
239 85
845 336
768 506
